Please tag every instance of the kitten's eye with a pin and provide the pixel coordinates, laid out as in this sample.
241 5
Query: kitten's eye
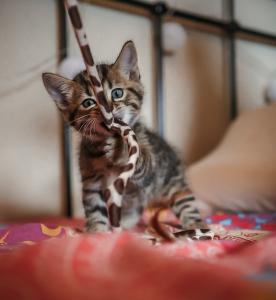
87 103
117 94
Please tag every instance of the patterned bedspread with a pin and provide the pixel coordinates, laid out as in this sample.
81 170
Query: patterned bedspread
50 260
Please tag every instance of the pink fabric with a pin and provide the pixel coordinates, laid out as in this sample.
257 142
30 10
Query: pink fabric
111 266
12 236
16 235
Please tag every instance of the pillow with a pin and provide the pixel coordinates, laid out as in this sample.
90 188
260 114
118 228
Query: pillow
240 174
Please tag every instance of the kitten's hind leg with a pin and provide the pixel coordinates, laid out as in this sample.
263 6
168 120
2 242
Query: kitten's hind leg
184 207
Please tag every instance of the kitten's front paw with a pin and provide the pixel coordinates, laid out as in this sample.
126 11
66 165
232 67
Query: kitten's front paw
96 227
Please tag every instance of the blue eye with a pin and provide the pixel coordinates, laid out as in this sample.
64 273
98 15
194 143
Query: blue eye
88 103
117 94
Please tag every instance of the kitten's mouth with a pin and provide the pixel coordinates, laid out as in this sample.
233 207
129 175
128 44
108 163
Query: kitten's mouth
104 126
104 130
97 131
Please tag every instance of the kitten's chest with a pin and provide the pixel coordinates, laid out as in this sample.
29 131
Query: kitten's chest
101 168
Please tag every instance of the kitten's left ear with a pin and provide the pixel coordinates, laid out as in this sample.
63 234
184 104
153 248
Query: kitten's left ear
127 61
59 88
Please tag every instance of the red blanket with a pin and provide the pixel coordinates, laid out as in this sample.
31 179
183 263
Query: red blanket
123 266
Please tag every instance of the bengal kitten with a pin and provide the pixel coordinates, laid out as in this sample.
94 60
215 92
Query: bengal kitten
158 174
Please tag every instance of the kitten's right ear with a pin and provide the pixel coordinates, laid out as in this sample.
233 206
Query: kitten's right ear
127 61
59 88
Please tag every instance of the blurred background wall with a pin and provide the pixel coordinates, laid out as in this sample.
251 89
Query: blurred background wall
196 100
29 126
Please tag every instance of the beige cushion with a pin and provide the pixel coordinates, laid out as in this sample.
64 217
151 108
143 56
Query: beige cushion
240 174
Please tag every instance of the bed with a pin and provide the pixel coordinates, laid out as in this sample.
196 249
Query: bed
52 259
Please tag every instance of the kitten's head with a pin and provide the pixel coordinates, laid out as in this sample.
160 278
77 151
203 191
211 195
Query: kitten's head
123 90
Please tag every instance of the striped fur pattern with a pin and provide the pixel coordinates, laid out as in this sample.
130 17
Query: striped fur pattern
114 192
158 175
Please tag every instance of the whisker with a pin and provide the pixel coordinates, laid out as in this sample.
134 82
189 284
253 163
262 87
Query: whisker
91 123
86 126
94 125
82 126
78 118
92 129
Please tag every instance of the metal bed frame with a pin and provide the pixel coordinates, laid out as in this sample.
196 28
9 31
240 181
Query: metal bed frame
158 13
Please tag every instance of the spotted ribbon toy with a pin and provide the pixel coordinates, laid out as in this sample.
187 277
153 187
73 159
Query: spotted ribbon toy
113 194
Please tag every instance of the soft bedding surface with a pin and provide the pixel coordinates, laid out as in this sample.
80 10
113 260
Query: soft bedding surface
51 260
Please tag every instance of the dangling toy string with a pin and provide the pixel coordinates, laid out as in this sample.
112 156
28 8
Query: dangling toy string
113 194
